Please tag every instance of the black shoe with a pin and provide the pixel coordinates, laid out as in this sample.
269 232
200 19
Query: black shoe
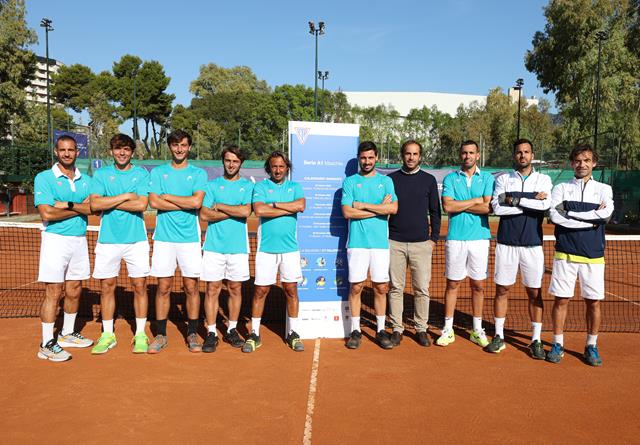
384 340
496 346
396 338
536 350
294 342
233 338
210 343
423 339
353 342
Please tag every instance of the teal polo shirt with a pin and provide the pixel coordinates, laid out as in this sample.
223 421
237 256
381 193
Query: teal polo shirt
120 226
279 234
368 233
51 186
465 226
177 226
228 236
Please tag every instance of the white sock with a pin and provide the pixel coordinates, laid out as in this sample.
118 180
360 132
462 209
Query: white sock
293 324
140 324
211 328
558 339
107 326
355 324
499 326
477 324
592 339
536 331
255 325
69 323
448 323
232 324
380 319
47 332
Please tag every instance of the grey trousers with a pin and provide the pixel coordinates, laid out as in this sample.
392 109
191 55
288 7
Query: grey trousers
418 257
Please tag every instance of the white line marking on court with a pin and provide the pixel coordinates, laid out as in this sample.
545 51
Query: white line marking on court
19 287
622 298
311 400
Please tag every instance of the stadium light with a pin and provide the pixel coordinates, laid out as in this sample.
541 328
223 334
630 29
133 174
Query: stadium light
600 36
46 24
519 83
316 32
323 76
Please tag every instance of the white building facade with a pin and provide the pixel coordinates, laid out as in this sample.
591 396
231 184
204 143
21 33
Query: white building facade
37 90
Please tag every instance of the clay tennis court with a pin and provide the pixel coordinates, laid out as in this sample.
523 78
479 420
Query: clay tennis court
326 395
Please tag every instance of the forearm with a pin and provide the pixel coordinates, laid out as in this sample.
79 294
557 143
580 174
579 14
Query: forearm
600 216
207 214
453 206
263 210
137 205
351 213
192 202
539 205
381 209
50 213
82 209
503 209
479 209
101 203
237 211
560 220
292 206
156 202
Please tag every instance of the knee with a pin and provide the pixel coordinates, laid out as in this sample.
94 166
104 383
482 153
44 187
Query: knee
477 286
356 288
452 285
381 288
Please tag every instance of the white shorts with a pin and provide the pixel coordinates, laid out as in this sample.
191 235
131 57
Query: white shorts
63 258
268 265
218 266
109 256
466 259
361 261
167 255
530 260
563 279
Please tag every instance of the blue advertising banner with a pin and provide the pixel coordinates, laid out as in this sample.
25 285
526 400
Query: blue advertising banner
322 155
81 140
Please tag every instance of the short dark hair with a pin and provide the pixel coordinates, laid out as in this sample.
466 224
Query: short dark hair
366 146
276 154
581 148
410 142
122 140
520 142
234 149
469 142
176 136
66 137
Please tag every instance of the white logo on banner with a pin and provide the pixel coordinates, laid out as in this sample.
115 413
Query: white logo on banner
302 134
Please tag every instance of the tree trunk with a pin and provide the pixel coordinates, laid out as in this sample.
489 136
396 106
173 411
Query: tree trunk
146 136
155 137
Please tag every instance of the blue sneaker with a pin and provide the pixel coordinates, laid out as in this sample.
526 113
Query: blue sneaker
556 353
591 356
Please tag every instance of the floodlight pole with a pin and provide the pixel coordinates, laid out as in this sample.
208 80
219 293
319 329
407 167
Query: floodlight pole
316 32
601 36
323 76
518 87
46 24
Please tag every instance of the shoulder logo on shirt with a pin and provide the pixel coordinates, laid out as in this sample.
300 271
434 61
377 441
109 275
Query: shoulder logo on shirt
59 183
134 179
85 185
221 187
165 176
111 178
380 186
38 193
189 178
289 190
270 190
241 189
359 186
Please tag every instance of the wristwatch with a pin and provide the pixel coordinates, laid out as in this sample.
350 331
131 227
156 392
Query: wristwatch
69 205
273 204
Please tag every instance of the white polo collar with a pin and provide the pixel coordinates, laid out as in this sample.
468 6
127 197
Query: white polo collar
58 173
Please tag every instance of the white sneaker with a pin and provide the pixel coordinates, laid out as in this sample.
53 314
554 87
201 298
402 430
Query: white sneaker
479 338
74 340
52 351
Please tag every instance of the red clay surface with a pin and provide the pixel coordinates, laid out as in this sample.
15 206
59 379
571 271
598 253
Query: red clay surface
408 395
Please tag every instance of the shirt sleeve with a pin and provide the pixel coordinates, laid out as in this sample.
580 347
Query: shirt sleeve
155 183
557 196
298 192
97 185
540 205
434 210
347 193
488 185
248 192
143 183
43 192
500 188
598 216
390 189
447 187
200 184
208 196
259 194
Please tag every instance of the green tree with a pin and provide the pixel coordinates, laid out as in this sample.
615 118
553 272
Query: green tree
564 58
17 64
214 79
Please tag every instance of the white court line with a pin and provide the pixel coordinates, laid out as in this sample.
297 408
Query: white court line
622 298
19 287
311 400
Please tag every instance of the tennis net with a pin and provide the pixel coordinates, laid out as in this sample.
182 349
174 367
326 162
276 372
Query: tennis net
21 295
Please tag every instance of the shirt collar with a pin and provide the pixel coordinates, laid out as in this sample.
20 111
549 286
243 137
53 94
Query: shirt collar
477 172
58 173
417 169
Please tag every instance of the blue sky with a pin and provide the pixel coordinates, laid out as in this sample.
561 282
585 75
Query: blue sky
457 46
